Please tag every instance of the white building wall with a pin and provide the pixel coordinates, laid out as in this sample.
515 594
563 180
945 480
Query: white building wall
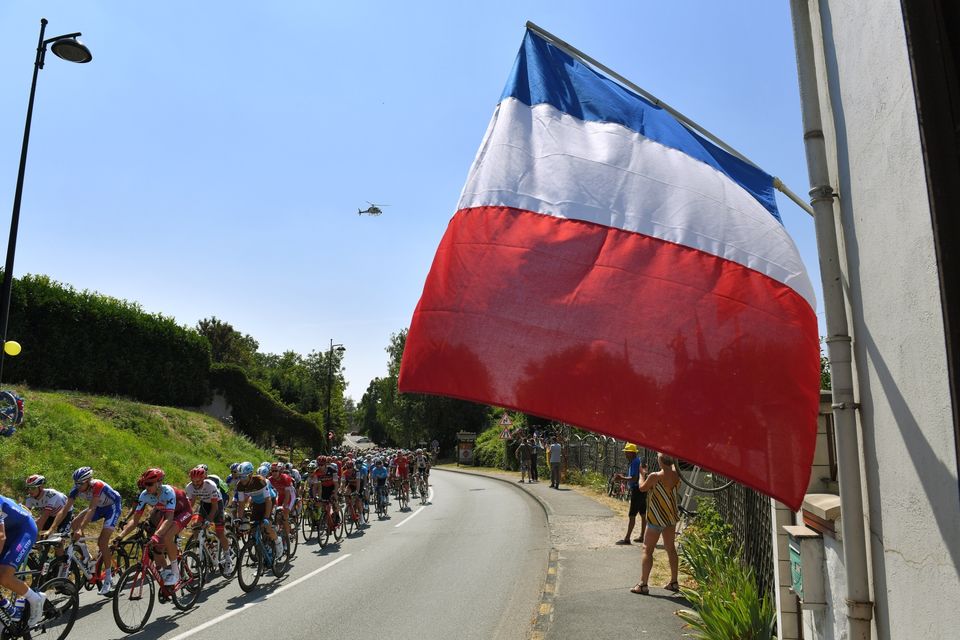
897 323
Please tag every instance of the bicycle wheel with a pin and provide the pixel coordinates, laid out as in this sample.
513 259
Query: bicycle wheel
294 540
249 566
59 610
281 562
424 492
350 523
186 592
340 531
308 525
365 512
11 411
700 479
233 548
133 599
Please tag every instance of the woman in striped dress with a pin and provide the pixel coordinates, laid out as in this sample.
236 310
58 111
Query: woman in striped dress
662 517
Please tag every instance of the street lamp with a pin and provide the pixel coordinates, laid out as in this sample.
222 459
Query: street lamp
68 48
340 349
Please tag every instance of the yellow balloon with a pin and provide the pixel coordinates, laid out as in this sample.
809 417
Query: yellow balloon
11 347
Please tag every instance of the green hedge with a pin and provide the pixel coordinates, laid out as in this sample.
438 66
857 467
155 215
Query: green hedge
490 450
259 415
86 341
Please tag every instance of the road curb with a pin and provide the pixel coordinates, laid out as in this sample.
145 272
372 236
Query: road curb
547 509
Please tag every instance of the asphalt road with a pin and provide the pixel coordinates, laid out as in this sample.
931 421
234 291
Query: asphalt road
468 565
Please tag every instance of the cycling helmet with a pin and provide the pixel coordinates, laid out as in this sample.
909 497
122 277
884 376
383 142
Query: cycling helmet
204 467
234 467
199 472
245 469
264 469
288 466
82 474
151 475
277 466
378 462
36 480
312 465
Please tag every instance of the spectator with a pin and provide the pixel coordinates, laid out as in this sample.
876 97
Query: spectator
535 447
662 517
555 458
523 458
636 474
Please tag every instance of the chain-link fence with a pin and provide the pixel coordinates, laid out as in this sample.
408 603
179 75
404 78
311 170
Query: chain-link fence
749 513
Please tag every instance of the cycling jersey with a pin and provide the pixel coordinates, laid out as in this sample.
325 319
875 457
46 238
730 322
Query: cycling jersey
286 493
50 501
208 492
98 494
167 499
403 469
222 486
379 474
20 531
257 488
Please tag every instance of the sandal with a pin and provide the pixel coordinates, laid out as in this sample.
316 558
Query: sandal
673 586
641 588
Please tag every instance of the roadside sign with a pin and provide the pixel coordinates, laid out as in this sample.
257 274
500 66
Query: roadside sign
505 434
505 421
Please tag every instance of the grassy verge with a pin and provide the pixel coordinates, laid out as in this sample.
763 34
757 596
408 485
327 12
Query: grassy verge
118 438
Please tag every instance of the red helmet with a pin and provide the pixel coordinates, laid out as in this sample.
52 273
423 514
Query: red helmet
276 466
321 460
197 473
151 475
348 464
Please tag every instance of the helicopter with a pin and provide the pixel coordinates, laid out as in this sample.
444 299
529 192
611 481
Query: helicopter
373 210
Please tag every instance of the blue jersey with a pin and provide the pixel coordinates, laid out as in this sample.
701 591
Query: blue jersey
380 473
362 471
13 515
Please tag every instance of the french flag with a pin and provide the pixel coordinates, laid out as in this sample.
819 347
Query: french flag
609 268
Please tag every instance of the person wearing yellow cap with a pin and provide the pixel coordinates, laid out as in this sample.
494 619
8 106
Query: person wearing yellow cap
636 473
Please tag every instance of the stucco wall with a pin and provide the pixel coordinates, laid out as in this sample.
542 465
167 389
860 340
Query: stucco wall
897 326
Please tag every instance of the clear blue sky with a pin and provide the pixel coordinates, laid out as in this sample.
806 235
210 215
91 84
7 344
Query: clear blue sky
211 159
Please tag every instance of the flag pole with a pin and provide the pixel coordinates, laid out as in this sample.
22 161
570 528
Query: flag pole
690 124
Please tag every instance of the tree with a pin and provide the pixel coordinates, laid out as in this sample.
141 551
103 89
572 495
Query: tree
227 345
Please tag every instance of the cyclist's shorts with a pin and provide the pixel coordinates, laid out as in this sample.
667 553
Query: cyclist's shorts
64 528
110 514
216 517
326 493
258 511
20 540
182 518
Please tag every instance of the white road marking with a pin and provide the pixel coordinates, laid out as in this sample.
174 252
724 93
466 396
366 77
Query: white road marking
410 517
230 614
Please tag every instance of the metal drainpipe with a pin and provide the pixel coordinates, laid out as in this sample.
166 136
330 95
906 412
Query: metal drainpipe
859 606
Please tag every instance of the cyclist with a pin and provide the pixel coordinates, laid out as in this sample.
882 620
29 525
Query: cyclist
18 532
48 502
205 489
402 466
379 475
255 489
286 493
328 477
351 487
104 504
170 512
421 464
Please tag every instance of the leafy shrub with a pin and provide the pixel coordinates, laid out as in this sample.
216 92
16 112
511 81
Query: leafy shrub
86 341
726 601
490 450
259 415
588 478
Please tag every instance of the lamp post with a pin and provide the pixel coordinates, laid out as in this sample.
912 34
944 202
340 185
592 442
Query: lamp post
326 423
66 47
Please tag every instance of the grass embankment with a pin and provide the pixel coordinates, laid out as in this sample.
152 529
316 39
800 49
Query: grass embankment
118 438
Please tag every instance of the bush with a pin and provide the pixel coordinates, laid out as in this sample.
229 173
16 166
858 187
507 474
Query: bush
588 478
726 601
92 342
259 415
490 450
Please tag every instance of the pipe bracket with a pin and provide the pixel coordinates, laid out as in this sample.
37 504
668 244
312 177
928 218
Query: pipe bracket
859 610
823 193
845 405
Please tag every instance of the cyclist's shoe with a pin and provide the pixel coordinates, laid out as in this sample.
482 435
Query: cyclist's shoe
226 561
278 547
169 576
106 586
36 611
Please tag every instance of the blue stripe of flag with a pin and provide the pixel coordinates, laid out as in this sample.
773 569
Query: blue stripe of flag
544 74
